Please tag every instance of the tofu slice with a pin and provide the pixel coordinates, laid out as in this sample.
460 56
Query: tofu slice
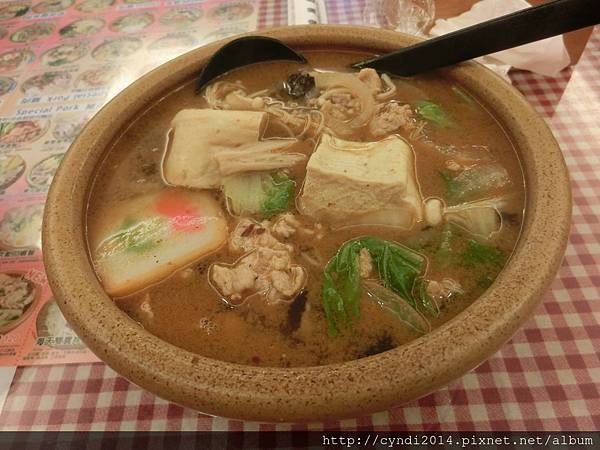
200 133
370 183
208 144
142 240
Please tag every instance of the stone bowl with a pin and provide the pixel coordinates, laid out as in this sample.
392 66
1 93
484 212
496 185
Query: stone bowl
314 393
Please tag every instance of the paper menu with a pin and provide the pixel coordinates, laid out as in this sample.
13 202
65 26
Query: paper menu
60 61
306 12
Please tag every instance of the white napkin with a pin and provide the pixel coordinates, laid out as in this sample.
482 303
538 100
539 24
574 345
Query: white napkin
546 57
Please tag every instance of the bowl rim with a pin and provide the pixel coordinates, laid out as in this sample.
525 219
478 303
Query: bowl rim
323 392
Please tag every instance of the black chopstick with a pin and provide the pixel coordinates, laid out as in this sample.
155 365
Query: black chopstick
532 24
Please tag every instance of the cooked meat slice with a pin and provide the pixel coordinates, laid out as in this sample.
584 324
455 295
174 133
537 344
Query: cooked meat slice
286 284
286 225
268 268
264 271
269 259
250 235
390 117
234 282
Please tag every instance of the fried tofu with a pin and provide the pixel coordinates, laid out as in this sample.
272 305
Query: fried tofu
370 183
208 144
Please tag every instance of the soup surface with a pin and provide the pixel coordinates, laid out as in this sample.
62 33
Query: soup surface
346 214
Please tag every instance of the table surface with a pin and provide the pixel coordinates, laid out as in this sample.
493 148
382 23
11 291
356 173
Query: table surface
546 378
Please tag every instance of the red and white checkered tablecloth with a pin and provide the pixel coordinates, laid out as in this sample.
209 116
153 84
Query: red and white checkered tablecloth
546 378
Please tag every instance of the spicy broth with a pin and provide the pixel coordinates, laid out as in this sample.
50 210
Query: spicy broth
186 311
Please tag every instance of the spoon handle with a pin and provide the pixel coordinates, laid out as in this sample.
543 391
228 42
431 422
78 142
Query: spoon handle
528 25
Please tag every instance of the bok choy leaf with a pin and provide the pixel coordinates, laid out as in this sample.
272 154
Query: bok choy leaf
262 194
474 182
485 261
279 194
478 255
396 304
481 219
398 267
432 112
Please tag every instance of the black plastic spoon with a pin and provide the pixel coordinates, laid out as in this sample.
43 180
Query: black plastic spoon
243 51
528 25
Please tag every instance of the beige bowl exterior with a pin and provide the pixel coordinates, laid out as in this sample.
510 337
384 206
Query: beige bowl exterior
315 393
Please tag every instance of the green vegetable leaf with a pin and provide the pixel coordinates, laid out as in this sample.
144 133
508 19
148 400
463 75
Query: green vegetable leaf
485 281
398 267
444 254
453 187
432 112
278 196
262 194
474 182
135 236
341 287
484 260
477 255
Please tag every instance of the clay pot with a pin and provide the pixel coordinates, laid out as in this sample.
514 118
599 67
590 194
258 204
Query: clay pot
315 393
